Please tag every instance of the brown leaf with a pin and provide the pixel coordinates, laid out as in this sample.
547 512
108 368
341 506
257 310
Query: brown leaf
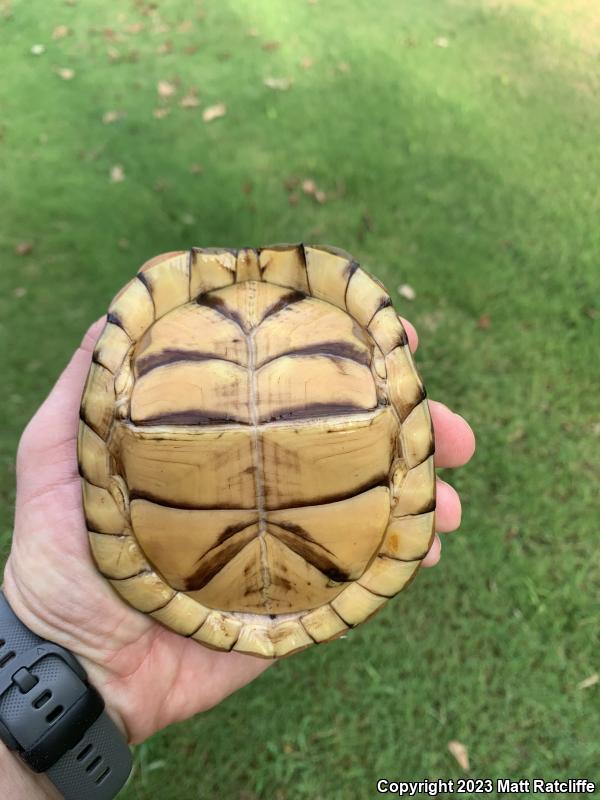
60 32
309 186
65 73
270 46
165 89
164 48
185 26
293 199
135 27
307 62
190 99
460 753
291 182
214 112
113 54
161 113
280 84
406 291
320 196
484 322
191 49
588 682
117 174
23 248
196 169
111 116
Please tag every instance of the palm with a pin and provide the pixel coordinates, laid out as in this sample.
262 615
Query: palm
149 675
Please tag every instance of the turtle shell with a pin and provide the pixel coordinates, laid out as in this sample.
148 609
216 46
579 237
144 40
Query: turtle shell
255 447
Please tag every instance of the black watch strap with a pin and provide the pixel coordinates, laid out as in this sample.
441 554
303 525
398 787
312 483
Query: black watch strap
53 718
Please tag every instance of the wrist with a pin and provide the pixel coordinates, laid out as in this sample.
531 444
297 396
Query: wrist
18 782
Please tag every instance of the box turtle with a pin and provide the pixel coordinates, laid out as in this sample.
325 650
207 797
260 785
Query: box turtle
255 447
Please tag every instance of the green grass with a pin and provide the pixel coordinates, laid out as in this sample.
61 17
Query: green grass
468 171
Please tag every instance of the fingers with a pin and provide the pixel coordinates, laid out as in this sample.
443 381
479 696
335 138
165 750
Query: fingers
433 556
411 332
448 509
454 438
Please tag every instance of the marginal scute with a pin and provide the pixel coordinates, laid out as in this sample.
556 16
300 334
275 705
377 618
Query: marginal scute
211 269
111 348
365 296
219 631
387 330
404 385
284 266
288 637
247 267
328 275
102 513
255 641
98 404
415 491
323 624
132 309
168 281
409 538
355 604
417 435
147 591
182 614
94 462
117 556
388 576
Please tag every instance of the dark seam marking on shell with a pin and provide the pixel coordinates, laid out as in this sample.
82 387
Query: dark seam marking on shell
349 271
424 509
114 319
295 296
379 481
325 565
207 571
332 349
190 264
302 251
191 417
386 302
164 605
299 531
315 410
145 571
173 355
148 497
308 633
221 307
146 284
224 537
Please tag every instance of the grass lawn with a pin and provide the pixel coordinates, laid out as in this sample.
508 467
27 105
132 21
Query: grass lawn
456 143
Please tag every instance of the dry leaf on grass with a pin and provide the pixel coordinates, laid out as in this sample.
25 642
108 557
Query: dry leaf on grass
185 26
111 116
23 248
309 186
484 322
320 196
196 169
460 753
20 291
60 32
190 99
293 199
165 89
307 62
588 682
253 32
214 112
280 84
270 46
113 54
37 50
343 66
406 291
65 73
161 113
117 174
164 48
135 27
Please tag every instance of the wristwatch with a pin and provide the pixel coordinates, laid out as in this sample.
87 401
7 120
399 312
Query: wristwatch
53 718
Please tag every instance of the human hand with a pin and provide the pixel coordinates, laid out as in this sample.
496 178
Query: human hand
148 675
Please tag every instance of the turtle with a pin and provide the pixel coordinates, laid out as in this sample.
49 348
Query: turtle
255 447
